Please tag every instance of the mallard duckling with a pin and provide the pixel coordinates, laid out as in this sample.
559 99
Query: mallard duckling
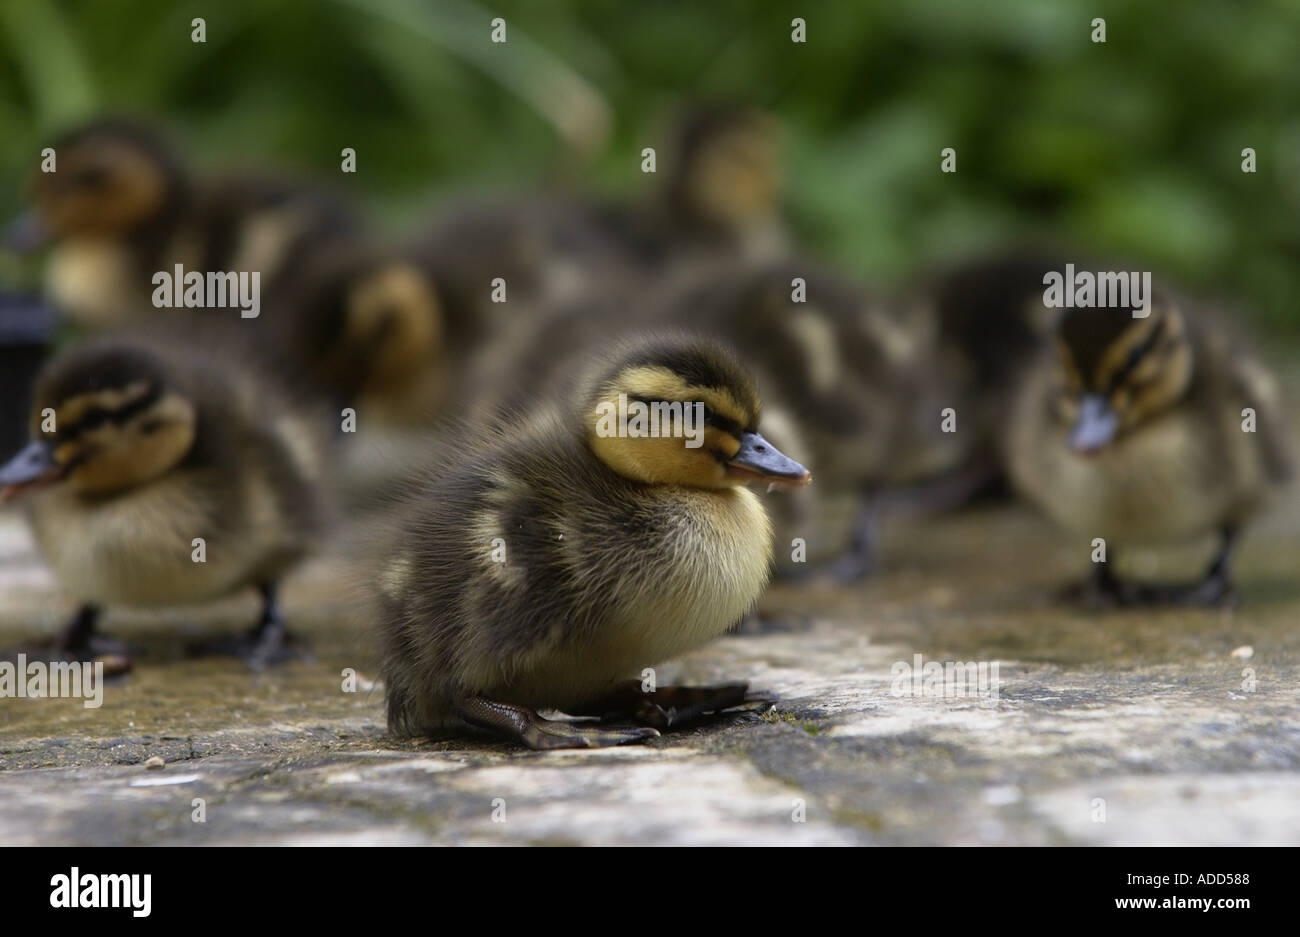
723 188
845 380
720 200
123 205
1136 432
372 328
552 558
991 323
139 451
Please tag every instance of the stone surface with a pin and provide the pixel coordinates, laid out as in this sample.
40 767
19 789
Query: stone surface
1131 727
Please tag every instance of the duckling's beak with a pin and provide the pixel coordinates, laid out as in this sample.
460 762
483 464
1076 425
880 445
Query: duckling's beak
26 233
32 468
1096 425
759 460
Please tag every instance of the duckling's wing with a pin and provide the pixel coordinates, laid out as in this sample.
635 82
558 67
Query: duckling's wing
1258 389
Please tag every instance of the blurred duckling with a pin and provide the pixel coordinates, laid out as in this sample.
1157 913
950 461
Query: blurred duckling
1136 431
122 205
723 188
138 450
991 323
551 559
370 327
720 200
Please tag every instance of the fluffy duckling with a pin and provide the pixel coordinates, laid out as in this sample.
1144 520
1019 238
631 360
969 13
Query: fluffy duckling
138 450
1148 431
552 558
845 380
122 205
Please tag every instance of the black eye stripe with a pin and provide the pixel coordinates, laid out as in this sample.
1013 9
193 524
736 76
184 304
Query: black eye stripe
1137 354
98 416
711 417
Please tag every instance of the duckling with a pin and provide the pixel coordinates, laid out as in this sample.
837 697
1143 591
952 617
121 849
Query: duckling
845 378
371 327
138 450
991 322
1136 431
720 201
722 191
122 205
554 556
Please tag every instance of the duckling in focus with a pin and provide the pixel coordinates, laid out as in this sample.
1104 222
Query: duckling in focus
847 384
137 450
552 558
122 205
1136 432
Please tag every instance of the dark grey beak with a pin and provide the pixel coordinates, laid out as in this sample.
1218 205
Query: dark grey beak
762 459
1096 425
26 233
33 466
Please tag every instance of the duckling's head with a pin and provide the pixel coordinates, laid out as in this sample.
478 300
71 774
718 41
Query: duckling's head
727 169
106 418
373 322
1117 371
110 179
681 410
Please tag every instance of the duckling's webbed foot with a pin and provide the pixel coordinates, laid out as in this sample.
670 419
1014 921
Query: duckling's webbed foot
80 642
667 707
268 644
521 724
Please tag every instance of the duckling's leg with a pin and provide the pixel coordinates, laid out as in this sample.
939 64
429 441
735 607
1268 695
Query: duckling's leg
78 641
267 644
521 724
666 707
858 560
1214 588
270 642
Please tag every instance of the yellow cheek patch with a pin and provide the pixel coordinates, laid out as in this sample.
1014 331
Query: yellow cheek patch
400 299
67 453
74 408
718 440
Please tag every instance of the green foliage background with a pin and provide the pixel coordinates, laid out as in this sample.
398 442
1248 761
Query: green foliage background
1131 148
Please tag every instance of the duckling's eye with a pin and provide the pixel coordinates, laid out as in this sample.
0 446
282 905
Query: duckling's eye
93 419
90 177
149 427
